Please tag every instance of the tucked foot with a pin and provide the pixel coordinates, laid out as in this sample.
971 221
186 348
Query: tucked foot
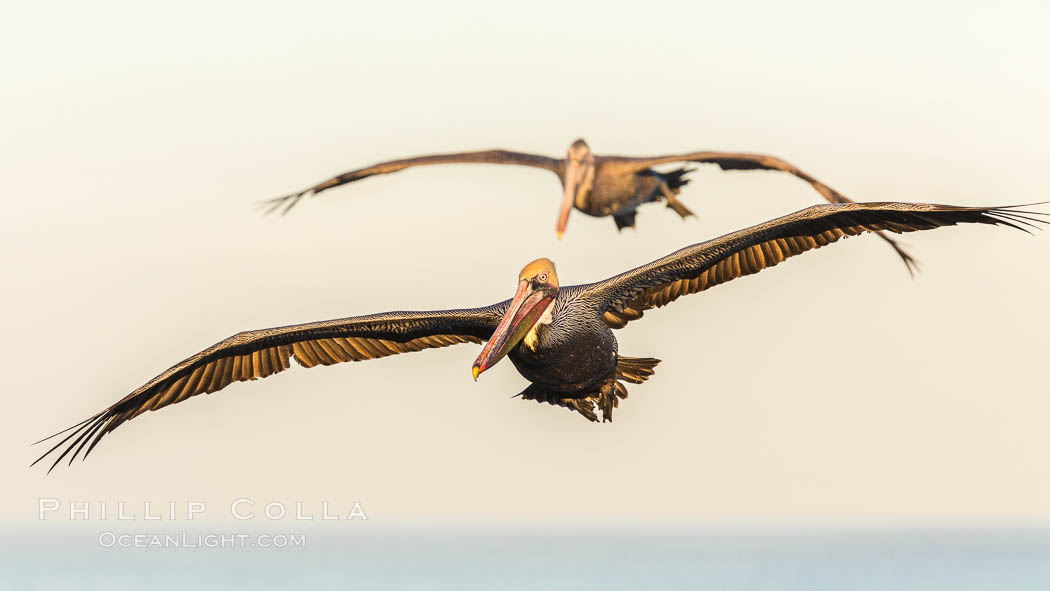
624 220
583 404
673 202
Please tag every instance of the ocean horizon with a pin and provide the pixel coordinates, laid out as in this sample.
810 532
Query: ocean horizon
780 558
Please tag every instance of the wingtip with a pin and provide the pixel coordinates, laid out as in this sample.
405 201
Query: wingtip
82 432
911 264
284 203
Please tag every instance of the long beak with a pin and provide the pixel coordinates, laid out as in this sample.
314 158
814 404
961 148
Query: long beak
524 312
570 196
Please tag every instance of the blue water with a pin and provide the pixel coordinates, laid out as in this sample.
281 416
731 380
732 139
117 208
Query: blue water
722 559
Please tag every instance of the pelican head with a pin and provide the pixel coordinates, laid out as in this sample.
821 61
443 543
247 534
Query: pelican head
531 307
579 176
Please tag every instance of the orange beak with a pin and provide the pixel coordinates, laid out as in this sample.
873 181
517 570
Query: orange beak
569 198
524 312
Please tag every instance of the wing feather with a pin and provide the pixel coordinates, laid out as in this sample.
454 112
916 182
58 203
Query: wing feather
286 202
738 161
751 161
699 267
259 354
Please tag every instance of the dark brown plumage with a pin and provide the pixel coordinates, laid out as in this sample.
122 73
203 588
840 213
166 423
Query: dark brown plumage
559 338
599 186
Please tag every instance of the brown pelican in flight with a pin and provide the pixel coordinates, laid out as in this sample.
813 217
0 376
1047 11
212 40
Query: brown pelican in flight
597 185
558 337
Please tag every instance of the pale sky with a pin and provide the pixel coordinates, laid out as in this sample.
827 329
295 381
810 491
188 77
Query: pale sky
831 389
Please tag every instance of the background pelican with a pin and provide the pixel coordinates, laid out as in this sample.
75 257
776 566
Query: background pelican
598 186
559 338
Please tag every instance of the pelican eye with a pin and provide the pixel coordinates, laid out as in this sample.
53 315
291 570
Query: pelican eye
542 277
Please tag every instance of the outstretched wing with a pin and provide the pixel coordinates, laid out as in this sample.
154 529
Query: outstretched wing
261 353
695 268
556 166
747 161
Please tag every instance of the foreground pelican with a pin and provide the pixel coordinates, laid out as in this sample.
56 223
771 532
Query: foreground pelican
559 338
598 185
